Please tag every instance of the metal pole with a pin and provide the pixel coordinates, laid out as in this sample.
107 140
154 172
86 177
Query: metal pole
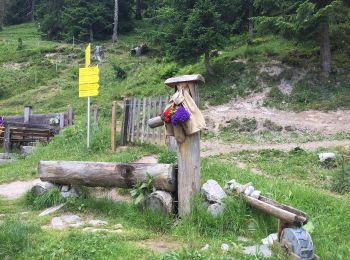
88 125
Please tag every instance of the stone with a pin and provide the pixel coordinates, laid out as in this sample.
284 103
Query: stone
72 193
76 225
231 185
205 247
118 226
255 194
263 250
213 192
42 187
27 150
71 219
326 156
51 210
216 209
65 188
269 239
249 190
57 223
225 247
94 230
97 222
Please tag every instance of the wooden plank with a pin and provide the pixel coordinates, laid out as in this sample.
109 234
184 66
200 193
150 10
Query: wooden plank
133 120
185 78
160 111
138 132
62 123
27 112
143 120
100 174
148 117
189 165
70 115
114 126
125 123
130 120
154 115
164 132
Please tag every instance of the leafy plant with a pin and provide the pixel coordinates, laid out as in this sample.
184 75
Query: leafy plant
142 189
168 157
119 72
53 197
341 182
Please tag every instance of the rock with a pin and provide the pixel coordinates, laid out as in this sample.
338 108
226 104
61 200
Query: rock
249 190
269 239
27 150
7 161
42 187
216 209
72 56
72 193
231 185
290 128
97 222
118 226
205 247
65 188
263 250
213 192
255 194
326 156
225 247
51 210
57 223
94 230
71 219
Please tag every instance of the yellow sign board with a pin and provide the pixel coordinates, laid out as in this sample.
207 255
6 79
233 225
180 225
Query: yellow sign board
88 81
88 55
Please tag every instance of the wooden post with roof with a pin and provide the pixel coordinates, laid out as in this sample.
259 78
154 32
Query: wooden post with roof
188 151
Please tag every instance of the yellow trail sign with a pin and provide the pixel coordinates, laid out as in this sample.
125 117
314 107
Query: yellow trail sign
88 55
88 81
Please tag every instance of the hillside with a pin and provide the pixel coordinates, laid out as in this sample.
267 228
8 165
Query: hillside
269 113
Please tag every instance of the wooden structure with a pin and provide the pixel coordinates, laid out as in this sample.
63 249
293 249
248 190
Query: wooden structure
31 127
100 174
136 113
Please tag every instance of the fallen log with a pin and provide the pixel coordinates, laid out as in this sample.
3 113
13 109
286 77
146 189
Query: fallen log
159 201
100 174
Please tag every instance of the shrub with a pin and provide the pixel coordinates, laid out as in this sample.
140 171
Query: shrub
51 198
119 72
168 71
341 181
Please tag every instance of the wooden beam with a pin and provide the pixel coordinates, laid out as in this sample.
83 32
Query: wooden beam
100 174
114 127
125 123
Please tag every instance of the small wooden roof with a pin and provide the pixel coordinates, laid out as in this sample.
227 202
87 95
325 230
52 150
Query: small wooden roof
171 82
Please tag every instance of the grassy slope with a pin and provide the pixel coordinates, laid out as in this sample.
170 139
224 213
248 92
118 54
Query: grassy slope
145 75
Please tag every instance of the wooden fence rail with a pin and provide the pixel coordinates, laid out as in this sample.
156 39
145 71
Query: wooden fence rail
137 112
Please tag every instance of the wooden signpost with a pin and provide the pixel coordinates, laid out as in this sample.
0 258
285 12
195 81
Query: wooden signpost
189 151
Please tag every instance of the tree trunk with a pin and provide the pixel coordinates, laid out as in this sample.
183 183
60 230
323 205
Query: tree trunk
2 13
138 15
91 34
325 49
207 64
250 22
98 174
115 25
160 201
32 12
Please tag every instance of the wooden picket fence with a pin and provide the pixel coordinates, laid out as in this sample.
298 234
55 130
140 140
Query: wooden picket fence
137 112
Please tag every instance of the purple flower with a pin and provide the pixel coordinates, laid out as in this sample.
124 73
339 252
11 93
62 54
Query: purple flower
2 121
180 116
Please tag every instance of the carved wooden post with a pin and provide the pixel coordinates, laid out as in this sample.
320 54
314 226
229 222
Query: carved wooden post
188 151
7 139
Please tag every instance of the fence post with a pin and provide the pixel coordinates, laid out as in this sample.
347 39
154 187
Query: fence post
188 151
125 123
114 122
7 139
70 115
27 112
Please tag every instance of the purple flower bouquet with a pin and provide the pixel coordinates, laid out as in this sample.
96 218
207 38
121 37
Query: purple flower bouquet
180 116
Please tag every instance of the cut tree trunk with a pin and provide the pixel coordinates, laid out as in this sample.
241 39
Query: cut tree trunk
100 174
159 201
138 15
2 13
250 22
32 12
115 25
325 49
207 64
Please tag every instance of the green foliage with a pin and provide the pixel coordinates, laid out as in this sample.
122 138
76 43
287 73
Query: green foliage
15 237
142 189
167 157
120 73
20 44
241 125
341 181
51 198
168 70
